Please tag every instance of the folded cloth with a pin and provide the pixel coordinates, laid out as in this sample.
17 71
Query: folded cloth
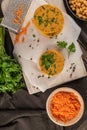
26 120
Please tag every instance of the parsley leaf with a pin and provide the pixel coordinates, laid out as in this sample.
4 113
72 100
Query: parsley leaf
40 20
62 44
47 60
71 48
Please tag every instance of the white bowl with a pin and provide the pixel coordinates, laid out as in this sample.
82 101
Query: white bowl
75 119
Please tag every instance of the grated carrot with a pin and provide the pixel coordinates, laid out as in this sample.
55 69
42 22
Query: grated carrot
18 15
64 106
23 31
23 39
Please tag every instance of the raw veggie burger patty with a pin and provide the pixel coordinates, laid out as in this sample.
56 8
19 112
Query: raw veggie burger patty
51 62
48 20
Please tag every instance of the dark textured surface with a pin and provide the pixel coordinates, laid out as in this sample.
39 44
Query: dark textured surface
21 111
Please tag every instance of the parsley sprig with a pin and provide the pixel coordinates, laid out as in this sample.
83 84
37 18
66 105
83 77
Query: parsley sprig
71 48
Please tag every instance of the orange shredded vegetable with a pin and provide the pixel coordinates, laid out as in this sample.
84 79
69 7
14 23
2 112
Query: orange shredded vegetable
23 39
18 15
23 31
64 106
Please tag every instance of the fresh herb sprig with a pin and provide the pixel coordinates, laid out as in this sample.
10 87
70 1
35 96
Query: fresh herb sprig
71 48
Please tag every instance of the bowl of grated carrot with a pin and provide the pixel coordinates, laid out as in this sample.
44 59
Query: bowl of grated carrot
65 106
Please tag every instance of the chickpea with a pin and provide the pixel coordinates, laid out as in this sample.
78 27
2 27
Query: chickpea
84 8
73 8
85 11
78 4
79 15
84 17
86 3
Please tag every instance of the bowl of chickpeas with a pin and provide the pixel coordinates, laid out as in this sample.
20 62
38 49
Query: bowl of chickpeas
78 8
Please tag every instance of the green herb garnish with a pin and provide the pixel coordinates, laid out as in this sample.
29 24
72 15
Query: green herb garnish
10 75
34 35
53 19
62 44
48 77
39 76
10 70
71 48
54 65
43 7
53 10
47 11
47 60
46 22
40 20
